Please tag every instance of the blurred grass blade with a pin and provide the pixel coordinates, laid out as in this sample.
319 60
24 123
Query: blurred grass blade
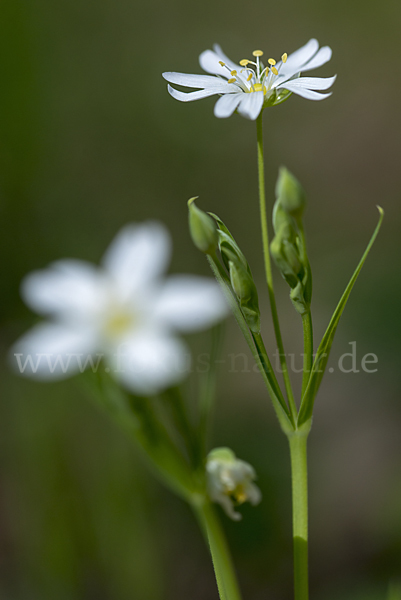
135 416
322 355
394 591
207 391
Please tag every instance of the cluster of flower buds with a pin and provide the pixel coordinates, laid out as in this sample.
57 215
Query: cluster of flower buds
209 233
288 246
241 278
230 481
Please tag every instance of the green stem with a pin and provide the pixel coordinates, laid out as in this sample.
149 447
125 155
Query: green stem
299 478
308 349
266 364
223 567
268 270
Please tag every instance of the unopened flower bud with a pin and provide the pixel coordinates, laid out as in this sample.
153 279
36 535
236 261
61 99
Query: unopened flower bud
230 481
245 289
290 193
203 229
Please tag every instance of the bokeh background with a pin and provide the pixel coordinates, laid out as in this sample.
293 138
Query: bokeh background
89 140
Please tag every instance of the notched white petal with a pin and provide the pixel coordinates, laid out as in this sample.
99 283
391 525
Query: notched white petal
298 58
191 96
193 81
209 60
251 105
312 83
321 58
226 105
304 92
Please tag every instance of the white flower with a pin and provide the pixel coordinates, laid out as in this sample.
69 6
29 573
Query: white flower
250 86
123 311
230 481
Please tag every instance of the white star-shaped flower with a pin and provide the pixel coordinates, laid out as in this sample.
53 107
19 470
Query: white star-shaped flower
250 86
123 311
230 481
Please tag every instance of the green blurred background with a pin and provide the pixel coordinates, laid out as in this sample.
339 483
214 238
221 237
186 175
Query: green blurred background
89 140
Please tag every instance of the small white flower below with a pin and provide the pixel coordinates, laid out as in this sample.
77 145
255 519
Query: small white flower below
124 312
230 481
251 85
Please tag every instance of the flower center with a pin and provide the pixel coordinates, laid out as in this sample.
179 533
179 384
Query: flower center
258 77
258 87
118 323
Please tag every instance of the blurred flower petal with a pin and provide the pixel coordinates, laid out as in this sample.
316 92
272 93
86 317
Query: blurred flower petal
138 255
150 362
189 303
53 351
66 286
125 312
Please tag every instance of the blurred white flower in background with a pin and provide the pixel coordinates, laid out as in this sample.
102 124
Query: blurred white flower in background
230 481
123 311
249 86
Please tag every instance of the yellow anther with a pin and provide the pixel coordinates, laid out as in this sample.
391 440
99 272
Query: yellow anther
244 62
233 80
284 57
221 63
275 70
240 495
271 61
233 73
257 53
249 77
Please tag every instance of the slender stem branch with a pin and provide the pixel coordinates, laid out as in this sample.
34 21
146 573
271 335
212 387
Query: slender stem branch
223 567
308 349
270 374
299 478
268 270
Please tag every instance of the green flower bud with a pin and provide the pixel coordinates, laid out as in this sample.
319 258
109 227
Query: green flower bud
203 229
241 278
289 254
245 289
290 193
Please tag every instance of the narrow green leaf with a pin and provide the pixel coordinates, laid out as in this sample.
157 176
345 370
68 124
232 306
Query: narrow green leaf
322 355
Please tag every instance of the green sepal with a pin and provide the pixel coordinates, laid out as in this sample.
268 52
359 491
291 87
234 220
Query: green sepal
322 355
275 98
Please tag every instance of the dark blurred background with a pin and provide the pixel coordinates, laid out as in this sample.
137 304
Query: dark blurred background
89 140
